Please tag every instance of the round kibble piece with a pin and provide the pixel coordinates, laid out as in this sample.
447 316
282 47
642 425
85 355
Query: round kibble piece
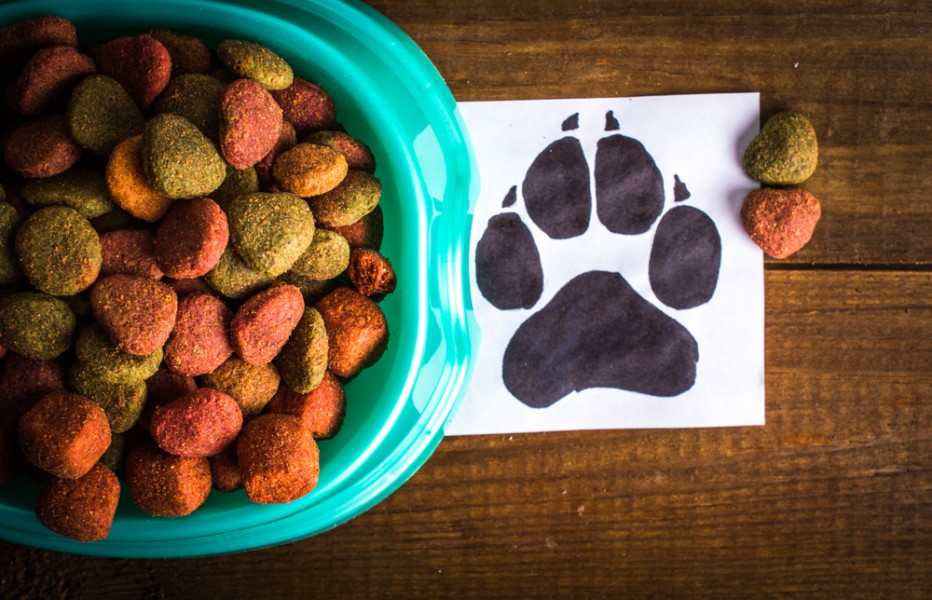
252 386
371 273
309 169
189 54
780 221
121 402
307 106
303 360
200 424
254 61
59 251
21 40
165 485
141 64
356 196
191 238
64 434
137 313
785 152
81 188
232 278
129 251
321 410
41 147
101 114
129 186
36 325
356 328
195 97
46 81
270 231
250 123
279 459
357 154
101 357
9 225
326 257
263 323
179 160
199 343
81 509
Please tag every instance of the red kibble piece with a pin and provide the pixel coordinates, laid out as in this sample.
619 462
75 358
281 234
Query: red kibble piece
250 123
199 342
780 221
165 485
81 509
163 387
47 79
371 273
41 147
64 434
321 411
21 40
279 459
191 238
129 251
202 423
24 381
141 64
307 106
262 324
137 313
224 470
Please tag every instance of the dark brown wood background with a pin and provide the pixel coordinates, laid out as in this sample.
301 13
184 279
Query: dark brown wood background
832 498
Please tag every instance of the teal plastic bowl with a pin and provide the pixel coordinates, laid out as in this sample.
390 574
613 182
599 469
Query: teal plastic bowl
388 94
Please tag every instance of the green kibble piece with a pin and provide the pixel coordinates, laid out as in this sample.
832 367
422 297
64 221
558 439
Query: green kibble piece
9 223
326 257
252 386
303 360
179 160
270 231
36 325
81 188
58 250
121 402
312 289
195 97
255 61
785 152
95 350
237 183
356 196
101 114
231 278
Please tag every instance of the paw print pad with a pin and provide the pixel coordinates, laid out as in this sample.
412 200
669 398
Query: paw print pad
597 330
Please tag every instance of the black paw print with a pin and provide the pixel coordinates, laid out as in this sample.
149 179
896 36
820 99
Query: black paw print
597 331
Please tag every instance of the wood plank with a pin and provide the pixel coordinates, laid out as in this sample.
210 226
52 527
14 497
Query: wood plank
861 71
832 498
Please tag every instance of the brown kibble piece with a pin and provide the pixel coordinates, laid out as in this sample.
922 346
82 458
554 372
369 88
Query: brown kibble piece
371 273
137 313
199 342
41 147
128 185
279 459
262 324
47 79
141 64
356 329
307 106
189 54
202 423
191 238
308 169
321 411
21 40
129 251
24 381
250 123
780 221
64 434
165 485
81 509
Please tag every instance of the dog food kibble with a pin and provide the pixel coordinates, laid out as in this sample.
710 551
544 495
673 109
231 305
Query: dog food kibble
59 251
83 508
64 434
785 152
170 309
264 322
165 485
202 423
279 459
780 221
199 342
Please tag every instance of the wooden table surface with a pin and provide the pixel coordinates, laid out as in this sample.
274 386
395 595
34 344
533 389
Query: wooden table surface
832 498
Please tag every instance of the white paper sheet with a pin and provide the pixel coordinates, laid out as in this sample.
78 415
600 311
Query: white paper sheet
695 139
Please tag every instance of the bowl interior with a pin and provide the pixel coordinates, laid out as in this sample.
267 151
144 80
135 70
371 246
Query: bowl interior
389 95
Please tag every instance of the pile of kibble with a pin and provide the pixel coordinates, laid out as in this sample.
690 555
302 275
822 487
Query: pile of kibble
189 272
